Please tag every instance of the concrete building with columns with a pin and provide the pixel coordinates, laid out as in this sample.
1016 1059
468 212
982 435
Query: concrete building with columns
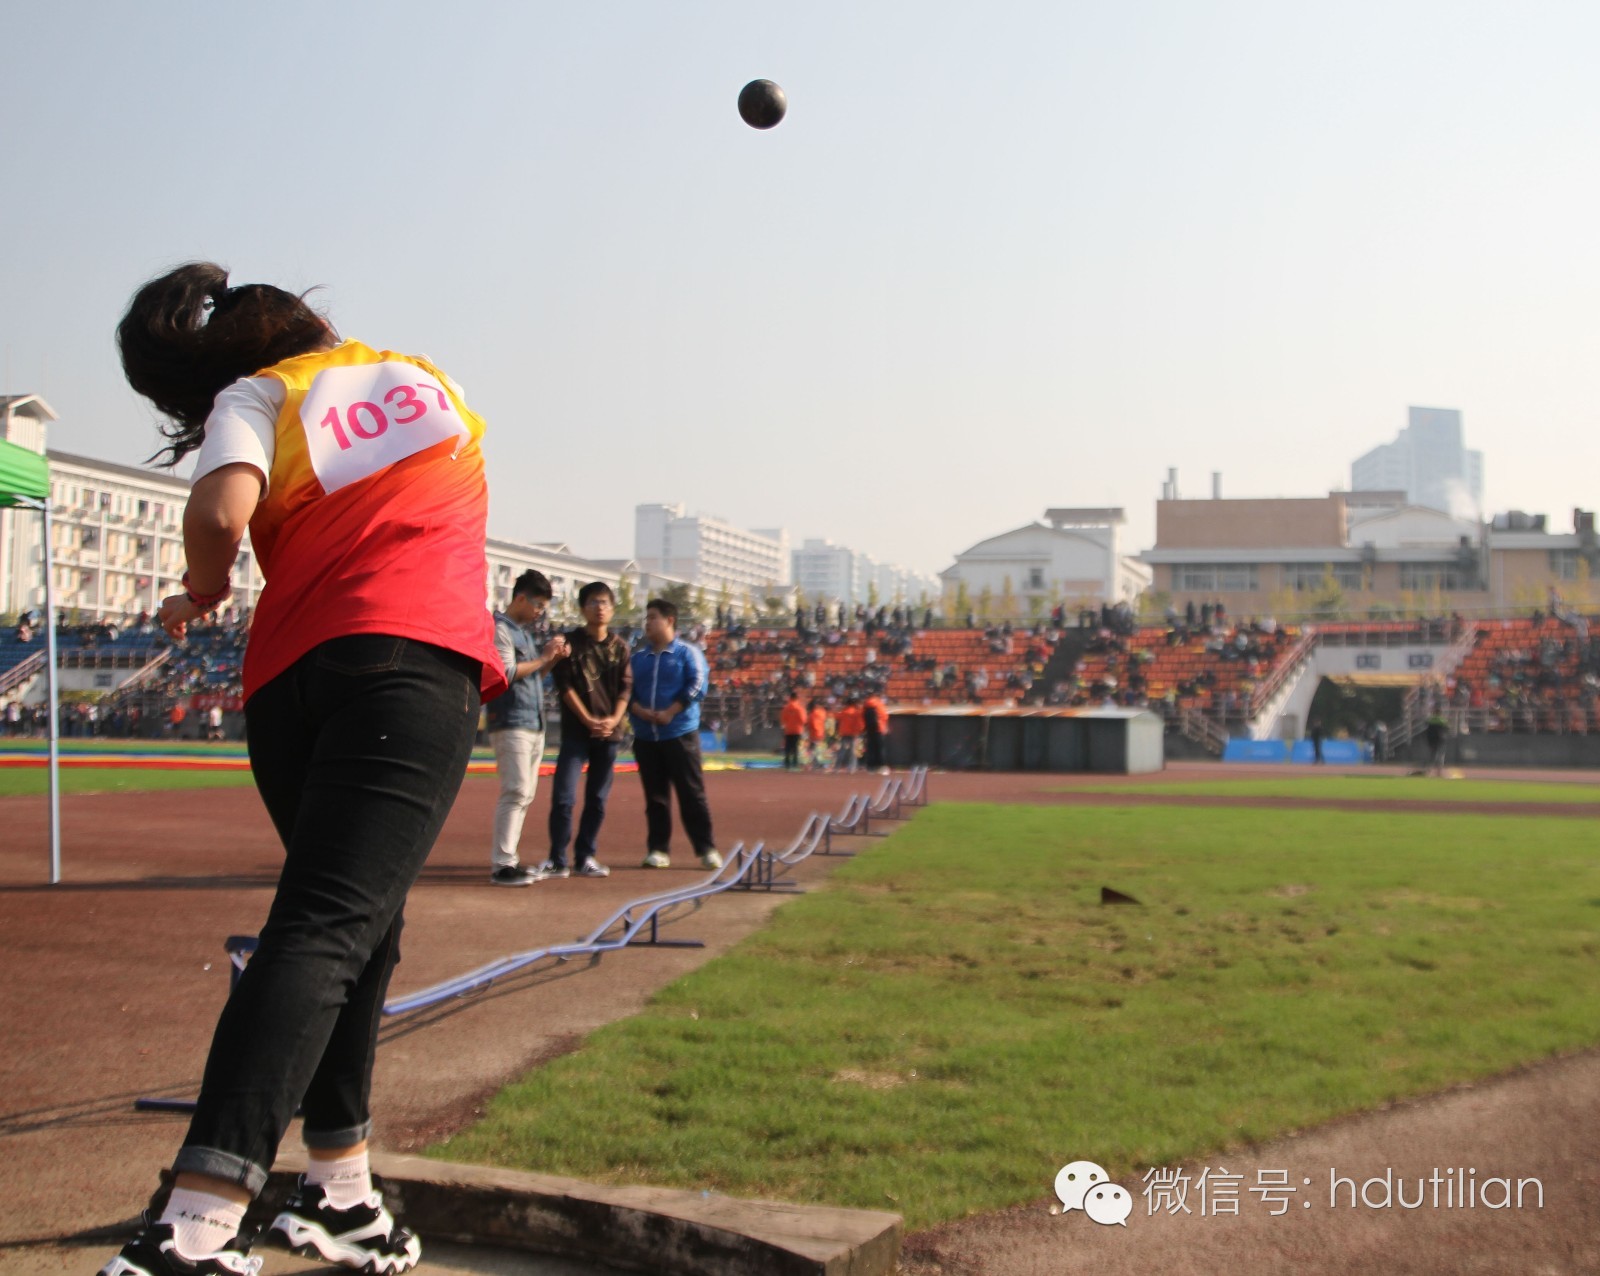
1362 553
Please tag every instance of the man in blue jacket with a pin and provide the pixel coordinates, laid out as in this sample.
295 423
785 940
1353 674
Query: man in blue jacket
669 681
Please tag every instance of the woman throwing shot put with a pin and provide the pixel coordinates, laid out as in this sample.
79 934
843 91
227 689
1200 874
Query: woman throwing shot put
359 475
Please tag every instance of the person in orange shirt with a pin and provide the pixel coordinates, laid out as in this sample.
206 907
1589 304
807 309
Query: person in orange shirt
792 717
851 722
817 723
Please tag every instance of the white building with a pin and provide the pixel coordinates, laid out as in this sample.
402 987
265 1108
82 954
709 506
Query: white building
900 586
566 571
1073 558
831 574
1429 462
116 532
117 539
708 552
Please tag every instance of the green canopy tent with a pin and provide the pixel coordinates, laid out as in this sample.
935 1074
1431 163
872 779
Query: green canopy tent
25 485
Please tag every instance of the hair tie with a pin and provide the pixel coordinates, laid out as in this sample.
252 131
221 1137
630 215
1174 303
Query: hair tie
210 305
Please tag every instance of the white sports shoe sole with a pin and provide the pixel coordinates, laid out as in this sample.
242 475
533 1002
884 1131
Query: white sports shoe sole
309 1240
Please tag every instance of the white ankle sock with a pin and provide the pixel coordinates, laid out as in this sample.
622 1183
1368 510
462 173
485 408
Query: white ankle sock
347 1181
201 1223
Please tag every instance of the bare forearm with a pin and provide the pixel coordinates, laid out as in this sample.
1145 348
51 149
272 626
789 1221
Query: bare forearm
214 523
210 553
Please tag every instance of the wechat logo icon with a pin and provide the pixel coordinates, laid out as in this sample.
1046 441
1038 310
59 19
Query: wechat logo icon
1083 1185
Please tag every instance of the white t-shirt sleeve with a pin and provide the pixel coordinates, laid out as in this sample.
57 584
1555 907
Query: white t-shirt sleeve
243 428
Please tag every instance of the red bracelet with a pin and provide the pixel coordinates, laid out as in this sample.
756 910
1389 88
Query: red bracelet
206 602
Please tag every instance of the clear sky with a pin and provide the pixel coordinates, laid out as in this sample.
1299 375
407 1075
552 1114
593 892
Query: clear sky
999 257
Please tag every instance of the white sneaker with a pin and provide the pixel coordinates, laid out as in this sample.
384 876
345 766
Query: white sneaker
711 859
551 869
364 1236
154 1253
592 868
658 859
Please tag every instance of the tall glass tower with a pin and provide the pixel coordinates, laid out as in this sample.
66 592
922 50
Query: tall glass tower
1428 462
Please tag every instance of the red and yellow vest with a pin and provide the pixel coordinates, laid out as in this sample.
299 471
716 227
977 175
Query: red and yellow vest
375 515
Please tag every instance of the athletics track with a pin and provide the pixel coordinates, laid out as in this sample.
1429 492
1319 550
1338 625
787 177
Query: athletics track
113 982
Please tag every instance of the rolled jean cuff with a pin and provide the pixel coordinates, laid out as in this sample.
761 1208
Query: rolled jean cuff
221 1165
345 1138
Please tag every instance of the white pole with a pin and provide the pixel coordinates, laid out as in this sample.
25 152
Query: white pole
51 698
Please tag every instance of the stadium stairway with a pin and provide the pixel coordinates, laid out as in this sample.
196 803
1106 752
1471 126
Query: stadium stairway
1290 704
1064 659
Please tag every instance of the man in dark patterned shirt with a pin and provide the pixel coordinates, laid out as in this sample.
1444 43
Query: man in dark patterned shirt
594 684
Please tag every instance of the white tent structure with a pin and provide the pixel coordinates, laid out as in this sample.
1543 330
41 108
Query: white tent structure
25 485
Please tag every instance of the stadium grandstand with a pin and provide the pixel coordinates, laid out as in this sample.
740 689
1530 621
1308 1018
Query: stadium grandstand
1210 679
122 682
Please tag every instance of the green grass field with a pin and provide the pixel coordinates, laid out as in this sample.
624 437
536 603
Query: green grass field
1369 788
20 781
23 781
181 748
954 1016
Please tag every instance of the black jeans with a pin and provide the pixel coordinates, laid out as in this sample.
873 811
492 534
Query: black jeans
601 755
664 766
791 752
358 750
874 750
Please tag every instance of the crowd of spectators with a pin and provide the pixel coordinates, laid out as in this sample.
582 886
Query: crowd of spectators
1198 657
29 631
1538 673
873 653
799 670
81 719
208 664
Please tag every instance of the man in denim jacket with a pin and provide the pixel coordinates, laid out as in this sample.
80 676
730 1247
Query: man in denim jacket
669 681
516 720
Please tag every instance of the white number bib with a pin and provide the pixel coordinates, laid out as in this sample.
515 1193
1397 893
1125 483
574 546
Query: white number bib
361 418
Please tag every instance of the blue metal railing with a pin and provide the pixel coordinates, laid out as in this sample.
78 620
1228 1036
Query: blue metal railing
754 868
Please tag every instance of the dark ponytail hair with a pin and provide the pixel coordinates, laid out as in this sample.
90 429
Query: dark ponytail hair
179 351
